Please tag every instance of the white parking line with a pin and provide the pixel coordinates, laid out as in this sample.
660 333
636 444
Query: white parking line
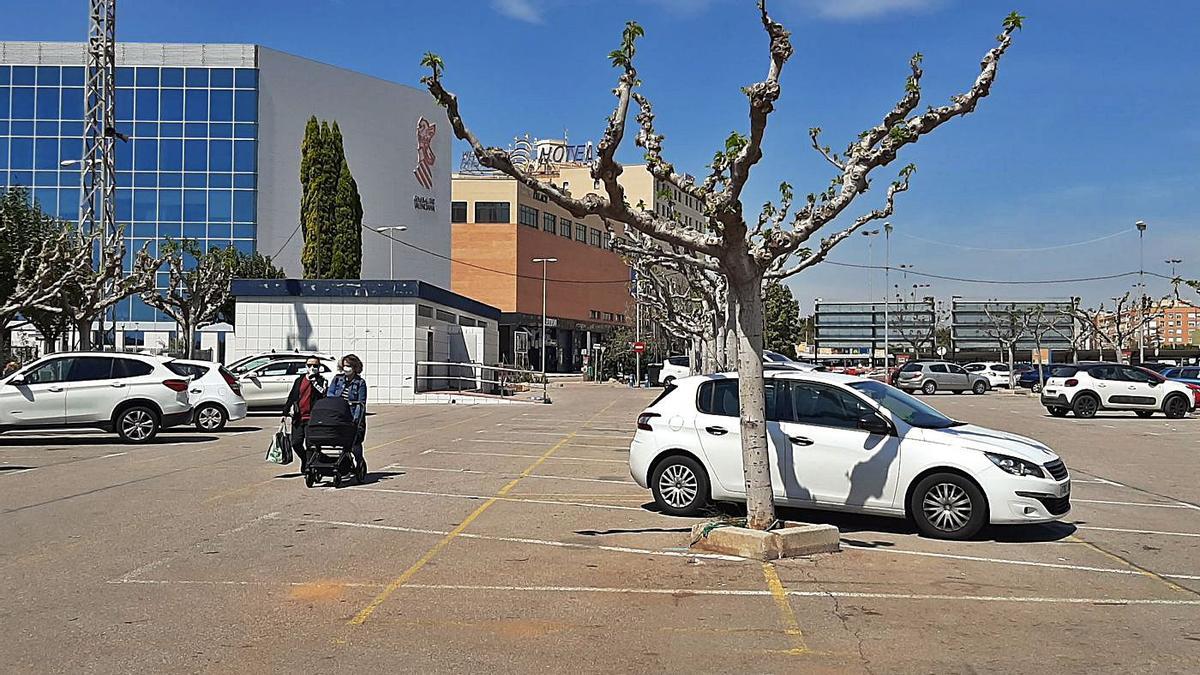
420 493
523 540
803 594
1103 501
509 475
623 446
553 433
1025 563
18 471
1121 529
138 571
505 454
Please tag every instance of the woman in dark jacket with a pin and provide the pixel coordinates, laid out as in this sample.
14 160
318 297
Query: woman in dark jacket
350 385
305 390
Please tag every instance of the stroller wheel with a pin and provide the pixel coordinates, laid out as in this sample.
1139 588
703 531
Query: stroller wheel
337 480
360 473
310 478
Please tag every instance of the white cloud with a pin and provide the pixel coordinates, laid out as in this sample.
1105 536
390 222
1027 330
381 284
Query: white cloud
521 10
863 9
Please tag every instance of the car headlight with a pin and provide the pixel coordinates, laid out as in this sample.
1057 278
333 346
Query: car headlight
1017 467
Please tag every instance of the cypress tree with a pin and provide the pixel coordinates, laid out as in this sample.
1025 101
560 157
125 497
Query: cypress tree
310 149
330 206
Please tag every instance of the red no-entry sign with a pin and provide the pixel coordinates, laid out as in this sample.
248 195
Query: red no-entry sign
639 347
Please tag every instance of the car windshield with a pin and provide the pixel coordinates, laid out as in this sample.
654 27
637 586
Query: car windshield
904 406
776 357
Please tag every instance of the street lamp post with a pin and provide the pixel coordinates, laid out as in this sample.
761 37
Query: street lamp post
545 262
887 303
391 242
868 234
1141 228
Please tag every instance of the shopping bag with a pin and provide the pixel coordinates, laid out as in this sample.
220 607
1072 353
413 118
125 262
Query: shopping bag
280 450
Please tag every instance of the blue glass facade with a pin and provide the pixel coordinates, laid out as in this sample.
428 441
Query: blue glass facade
188 171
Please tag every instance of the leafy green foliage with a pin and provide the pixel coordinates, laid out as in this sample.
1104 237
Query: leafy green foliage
434 63
23 226
247 266
1013 21
330 206
781 319
623 57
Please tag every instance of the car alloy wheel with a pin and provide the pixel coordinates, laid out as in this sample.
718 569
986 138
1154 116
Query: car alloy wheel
210 418
678 486
929 388
1037 388
1177 407
980 387
1086 406
947 507
137 425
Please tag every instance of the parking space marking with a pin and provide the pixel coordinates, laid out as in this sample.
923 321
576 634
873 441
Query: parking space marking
535 542
505 454
1120 529
1125 561
1104 501
1181 503
365 612
18 471
684 592
131 575
623 446
786 614
508 475
420 493
552 433
1005 561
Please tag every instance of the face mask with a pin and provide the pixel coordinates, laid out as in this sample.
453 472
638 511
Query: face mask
312 370
349 370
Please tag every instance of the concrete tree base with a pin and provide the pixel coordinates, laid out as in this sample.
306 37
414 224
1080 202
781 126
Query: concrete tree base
787 542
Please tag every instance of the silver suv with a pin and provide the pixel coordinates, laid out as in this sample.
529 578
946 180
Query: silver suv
929 377
131 394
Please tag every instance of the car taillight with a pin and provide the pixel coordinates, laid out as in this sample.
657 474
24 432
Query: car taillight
176 385
643 422
1195 393
1071 383
231 381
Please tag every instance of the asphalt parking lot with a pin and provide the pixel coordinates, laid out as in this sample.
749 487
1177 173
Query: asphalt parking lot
512 539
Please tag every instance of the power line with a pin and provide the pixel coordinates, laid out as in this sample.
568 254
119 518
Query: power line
994 249
945 277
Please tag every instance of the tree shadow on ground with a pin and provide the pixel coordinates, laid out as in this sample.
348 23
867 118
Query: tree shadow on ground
638 530
32 441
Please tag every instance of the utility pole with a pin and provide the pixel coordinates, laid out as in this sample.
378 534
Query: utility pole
96 208
637 331
544 262
870 293
887 302
1141 228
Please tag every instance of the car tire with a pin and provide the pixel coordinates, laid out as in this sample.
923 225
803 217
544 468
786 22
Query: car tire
948 506
680 486
929 388
137 424
667 382
1144 413
979 388
1176 406
210 417
1058 411
1085 406
1036 388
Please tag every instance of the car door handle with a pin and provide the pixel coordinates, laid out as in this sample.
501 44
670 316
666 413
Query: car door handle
196 391
55 389
116 385
800 440
716 431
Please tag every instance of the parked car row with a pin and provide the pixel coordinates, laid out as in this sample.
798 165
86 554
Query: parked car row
138 395
1087 388
676 367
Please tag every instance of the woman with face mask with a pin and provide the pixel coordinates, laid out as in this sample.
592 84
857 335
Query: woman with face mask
350 385
311 385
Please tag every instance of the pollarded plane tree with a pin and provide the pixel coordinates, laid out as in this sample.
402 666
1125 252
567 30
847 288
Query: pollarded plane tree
1119 328
745 251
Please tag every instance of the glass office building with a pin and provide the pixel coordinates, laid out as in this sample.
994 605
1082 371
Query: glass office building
214 151
188 169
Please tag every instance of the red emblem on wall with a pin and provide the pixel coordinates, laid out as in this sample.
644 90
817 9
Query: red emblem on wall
426 130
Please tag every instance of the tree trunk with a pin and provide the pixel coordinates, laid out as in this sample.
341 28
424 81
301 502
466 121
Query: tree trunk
188 332
756 460
730 346
1012 385
83 329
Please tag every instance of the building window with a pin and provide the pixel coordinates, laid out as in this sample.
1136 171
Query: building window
466 321
425 311
541 197
581 232
594 240
595 314
564 227
608 316
446 316
527 215
492 212
607 240
549 223
458 212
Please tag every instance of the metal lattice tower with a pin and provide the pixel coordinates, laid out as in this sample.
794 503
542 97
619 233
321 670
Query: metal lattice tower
99 160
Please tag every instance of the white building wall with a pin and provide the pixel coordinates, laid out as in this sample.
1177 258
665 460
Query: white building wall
385 332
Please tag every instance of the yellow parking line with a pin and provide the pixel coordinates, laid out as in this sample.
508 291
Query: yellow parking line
365 612
1128 563
786 613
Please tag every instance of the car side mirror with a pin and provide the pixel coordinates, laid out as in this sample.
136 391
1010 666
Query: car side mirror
1153 383
17 380
875 424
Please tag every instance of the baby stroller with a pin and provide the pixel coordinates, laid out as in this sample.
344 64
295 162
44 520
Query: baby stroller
329 439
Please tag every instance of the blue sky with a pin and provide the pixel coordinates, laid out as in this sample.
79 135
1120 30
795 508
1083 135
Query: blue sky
1091 126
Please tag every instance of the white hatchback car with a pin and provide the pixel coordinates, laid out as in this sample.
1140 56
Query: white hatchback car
996 373
268 385
132 394
1087 388
846 443
673 368
214 392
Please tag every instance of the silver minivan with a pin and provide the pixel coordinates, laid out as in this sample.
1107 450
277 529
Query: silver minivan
929 377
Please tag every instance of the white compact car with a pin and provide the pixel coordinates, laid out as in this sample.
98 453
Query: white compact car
132 394
996 373
248 363
674 368
1087 388
268 384
214 392
846 443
